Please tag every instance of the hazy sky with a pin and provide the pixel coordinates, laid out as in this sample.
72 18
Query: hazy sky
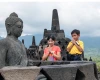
84 16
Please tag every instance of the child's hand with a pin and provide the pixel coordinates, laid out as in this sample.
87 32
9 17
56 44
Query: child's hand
73 41
49 50
52 52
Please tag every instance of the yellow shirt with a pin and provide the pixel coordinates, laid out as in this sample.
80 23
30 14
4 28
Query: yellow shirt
74 49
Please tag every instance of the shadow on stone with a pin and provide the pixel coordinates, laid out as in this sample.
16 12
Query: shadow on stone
79 75
1 77
46 75
41 77
95 71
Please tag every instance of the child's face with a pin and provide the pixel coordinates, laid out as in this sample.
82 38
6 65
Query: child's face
51 42
75 36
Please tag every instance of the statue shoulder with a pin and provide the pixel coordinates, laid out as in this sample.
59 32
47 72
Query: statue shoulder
4 44
21 43
3 41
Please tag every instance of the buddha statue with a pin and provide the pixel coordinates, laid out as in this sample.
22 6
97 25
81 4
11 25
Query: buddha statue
12 51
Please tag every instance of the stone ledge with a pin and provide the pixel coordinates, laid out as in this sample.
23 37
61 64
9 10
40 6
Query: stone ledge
80 71
20 73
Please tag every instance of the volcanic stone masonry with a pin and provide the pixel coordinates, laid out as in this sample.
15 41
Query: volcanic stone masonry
61 40
14 62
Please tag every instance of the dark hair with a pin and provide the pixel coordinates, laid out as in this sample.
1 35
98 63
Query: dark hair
52 37
75 31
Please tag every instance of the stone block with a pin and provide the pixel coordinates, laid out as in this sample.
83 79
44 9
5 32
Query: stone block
59 72
46 63
83 62
34 63
20 73
86 72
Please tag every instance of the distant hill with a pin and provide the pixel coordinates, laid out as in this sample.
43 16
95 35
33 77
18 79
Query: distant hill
90 42
28 39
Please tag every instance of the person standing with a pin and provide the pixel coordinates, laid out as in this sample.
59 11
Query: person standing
75 47
52 52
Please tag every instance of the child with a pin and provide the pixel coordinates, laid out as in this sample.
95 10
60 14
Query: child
52 52
75 47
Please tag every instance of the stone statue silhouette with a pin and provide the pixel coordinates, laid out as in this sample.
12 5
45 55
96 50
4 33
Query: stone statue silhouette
12 51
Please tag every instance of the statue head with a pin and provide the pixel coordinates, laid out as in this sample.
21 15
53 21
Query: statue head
14 25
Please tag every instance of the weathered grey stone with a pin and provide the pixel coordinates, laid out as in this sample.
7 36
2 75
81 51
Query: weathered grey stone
46 63
32 52
41 63
79 62
34 63
55 21
61 62
85 72
82 71
20 73
12 51
99 75
59 72
54 62
84 62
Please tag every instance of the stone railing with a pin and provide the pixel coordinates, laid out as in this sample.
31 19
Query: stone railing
60 70
19 73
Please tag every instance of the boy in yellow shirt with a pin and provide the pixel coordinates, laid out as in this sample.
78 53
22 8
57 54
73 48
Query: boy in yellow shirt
75 47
